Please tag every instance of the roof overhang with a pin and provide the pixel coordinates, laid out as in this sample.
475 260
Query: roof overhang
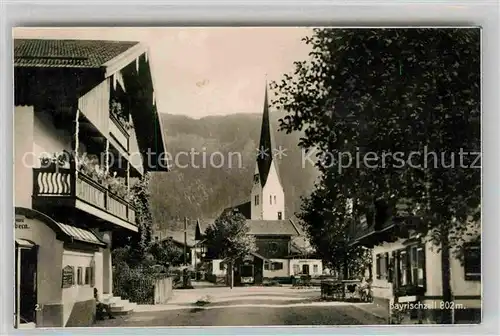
24 243
255 254
64 232
139 83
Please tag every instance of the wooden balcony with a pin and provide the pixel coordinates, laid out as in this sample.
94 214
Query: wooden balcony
62 187
118 132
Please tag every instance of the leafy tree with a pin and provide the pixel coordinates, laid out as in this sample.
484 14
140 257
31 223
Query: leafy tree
388 92
166 253
327 226
228 238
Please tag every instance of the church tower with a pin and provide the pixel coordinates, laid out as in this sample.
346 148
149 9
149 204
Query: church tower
268 197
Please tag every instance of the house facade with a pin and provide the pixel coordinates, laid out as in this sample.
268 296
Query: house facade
86 128
278 253
407 268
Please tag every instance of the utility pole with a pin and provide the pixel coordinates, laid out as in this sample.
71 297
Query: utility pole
185 240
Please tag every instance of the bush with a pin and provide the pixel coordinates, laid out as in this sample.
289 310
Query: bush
135 284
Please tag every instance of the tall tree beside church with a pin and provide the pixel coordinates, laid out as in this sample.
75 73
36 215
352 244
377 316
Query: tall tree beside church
394 91
228 238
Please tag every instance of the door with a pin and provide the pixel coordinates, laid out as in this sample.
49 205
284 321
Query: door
27 284
247 274
305 269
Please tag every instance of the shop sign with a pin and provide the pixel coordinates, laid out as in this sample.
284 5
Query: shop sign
68 276
21 224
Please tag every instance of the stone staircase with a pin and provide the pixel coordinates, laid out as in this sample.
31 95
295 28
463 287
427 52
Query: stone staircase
118 305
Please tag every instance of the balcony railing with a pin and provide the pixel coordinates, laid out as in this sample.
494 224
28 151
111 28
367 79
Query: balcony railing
64 183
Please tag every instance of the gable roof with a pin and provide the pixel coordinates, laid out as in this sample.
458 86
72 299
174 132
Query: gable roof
110 59
67 53
201 227
178 237
244 208
272 227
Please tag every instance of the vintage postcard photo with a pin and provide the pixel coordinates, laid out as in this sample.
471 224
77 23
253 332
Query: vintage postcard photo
247 176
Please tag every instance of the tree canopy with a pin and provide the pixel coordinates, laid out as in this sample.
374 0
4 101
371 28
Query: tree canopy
228 236
388 113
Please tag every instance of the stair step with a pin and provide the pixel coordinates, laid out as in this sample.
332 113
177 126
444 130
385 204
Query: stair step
112 300
120 303
123 310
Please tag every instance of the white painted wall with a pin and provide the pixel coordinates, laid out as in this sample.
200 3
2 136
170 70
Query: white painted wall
47 138
256 209
23 143
311 262
285 272
382 288
49 266
216 268
460 286
76 293
35 135
273 196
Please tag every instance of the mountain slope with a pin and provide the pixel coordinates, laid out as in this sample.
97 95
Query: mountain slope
221 174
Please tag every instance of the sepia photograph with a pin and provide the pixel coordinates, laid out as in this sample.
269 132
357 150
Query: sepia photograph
246 176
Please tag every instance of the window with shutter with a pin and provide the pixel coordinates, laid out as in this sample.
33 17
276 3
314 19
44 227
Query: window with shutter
276 266
472 261
386 266
377 265
421 281
87 275
79 276
413 265
403 262
390 267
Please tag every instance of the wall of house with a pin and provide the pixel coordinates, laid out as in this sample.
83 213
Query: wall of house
311 262
273 189
467 293
216 268
382 288
49 268
23 160
47 139
78 300
281 273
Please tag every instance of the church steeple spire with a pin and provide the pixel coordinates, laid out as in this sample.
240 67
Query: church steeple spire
265 157
268 196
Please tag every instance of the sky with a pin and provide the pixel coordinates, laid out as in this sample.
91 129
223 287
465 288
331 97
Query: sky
204 71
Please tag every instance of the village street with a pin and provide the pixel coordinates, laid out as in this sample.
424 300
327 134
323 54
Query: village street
247 306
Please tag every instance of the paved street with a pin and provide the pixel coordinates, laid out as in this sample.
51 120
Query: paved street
248 316
246 306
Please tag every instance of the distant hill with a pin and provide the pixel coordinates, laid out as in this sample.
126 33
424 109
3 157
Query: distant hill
203 192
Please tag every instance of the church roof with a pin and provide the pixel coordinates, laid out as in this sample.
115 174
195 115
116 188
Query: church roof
266 145
272 227
244 208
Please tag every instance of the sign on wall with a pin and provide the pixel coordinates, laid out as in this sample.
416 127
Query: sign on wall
68 276
21 223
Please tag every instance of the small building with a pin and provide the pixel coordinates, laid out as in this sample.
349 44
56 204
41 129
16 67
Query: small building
407 267
86 128
277 257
